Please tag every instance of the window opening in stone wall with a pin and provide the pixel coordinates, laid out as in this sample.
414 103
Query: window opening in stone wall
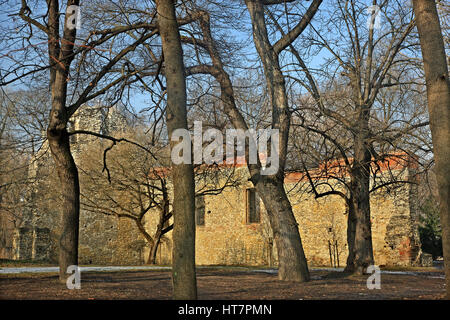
253 208
200 210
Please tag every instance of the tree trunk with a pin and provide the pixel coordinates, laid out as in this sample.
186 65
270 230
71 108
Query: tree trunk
70 205
151 242
183 255
438 94
155 244
359 189
292 264
154 250
351 230
58 137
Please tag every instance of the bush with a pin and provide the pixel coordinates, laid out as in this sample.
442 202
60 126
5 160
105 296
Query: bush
430 228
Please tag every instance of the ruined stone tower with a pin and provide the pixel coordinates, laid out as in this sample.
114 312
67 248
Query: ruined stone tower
36 236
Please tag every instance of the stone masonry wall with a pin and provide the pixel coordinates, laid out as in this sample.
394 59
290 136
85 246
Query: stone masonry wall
102 239
226 238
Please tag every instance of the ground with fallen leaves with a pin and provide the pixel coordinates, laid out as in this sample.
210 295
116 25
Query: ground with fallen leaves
224 284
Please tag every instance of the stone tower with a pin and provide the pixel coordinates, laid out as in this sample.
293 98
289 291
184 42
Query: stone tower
36 236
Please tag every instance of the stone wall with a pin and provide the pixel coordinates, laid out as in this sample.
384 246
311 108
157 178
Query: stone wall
103 239
109 240
22 243
227 239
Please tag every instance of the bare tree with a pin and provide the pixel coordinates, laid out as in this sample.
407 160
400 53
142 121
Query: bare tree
23 121
438 93
293 265
62 50
183 260
362 62
292 261
126 181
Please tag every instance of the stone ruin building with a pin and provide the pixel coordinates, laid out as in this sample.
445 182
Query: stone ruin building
34 234
232 227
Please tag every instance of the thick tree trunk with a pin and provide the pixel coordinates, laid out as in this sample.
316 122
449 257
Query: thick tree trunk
438 94
363 250
70 206
292 264
183 256
360 179
351 230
